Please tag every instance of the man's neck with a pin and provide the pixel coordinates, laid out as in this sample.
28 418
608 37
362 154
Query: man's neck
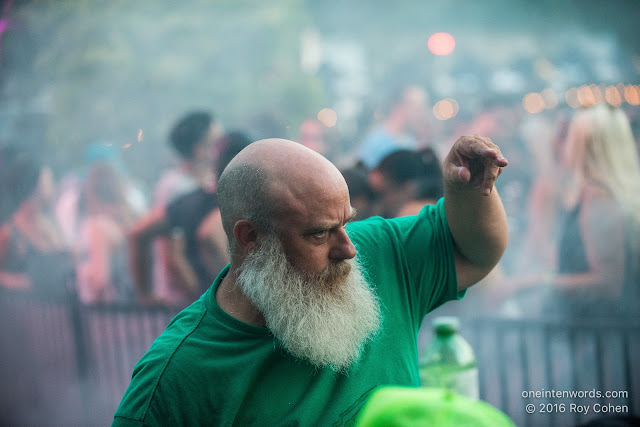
235 303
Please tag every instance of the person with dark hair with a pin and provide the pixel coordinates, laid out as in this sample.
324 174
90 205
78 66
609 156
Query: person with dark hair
296 330
188 135
193 220
360 192
429 187
394 181
33 255
192 139
227 147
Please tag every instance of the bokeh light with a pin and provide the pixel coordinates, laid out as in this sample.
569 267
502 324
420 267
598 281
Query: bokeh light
612 95
597 93
571 96
550 98
632 94
445 109
328 117
441 44
533 103
586 97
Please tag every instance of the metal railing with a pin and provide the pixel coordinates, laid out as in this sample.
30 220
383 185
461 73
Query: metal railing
564 361
65 363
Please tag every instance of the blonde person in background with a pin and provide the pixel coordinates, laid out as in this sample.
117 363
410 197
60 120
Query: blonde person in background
598 253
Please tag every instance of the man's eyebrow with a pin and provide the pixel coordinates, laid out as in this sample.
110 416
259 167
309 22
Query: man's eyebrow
350 218
326 227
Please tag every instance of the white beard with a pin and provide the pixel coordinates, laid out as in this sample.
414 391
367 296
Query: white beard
325 318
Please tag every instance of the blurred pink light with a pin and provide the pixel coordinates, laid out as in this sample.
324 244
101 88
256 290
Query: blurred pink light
441 44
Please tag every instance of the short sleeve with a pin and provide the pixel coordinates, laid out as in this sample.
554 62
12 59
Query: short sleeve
414 253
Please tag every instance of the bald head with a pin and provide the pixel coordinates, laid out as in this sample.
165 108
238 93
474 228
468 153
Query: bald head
276 155
272 178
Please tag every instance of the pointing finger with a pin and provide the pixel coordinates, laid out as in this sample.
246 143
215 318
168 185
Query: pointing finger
501 161
491 173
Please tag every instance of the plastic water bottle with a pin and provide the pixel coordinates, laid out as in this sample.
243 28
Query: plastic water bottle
448 361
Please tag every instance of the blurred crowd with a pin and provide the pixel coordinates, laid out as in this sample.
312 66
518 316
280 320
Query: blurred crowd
572 193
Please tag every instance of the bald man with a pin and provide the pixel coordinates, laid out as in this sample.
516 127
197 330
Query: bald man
315 311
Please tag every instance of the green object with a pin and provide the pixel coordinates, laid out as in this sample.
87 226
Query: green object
208 368
413 407
448 362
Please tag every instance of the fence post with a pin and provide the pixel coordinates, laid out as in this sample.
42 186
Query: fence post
80 350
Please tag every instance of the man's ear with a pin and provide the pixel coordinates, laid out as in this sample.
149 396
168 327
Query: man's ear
246 234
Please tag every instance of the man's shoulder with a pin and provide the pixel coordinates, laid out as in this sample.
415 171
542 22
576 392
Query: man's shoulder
378 225
185 326
157 368
379 240
367 227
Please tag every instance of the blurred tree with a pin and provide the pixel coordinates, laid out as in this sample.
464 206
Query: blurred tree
111 68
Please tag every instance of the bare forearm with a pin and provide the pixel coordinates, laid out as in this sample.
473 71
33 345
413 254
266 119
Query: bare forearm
478 225
474 211
606 284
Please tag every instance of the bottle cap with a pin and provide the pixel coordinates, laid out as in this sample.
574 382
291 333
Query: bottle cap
446 325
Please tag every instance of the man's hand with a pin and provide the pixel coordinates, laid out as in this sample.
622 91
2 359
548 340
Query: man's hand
474 162
475 214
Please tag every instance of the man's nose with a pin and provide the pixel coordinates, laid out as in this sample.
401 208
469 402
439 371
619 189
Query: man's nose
343 248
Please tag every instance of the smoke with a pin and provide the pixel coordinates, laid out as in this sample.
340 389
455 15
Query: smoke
121 73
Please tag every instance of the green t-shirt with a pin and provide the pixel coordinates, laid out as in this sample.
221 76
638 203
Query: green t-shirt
208 368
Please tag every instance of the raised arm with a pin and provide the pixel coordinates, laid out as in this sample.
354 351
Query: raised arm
474 210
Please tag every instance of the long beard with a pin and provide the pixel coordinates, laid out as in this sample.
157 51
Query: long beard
325 318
